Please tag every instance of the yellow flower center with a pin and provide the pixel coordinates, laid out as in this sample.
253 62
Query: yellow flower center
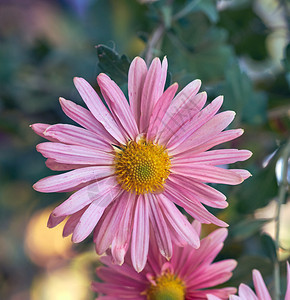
166 287
142 166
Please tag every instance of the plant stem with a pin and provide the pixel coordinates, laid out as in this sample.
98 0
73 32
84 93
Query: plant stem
186 10
166 23
281 198
156 37
153 41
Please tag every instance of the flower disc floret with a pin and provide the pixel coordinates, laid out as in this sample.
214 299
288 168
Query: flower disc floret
166 287
142 166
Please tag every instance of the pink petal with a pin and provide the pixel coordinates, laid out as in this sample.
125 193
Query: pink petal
215 274
109 275
197 226
188 111
198 260
234 297
150 93
118 104
186 254
54 220
85 196
220 138
178 221
92 215
189 127
65 181
177 240
209 174
69 134
98 109
243 173
246 293
55 166
106 231
174 193
186 96
287 296
72 222
125 270
204 193
119 293
217 236
159 110
164 67
116 291
214 157
221 293
85 118
121 241
260 287
183 107
140 234
212 297
136 78
39 128
206 132
74 154
160 228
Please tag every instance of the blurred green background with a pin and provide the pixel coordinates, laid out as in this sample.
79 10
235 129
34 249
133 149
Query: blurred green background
237 48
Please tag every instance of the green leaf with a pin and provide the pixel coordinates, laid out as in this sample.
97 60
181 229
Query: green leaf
167 15
209 8
247 228
187 9
241 97
201 54
247 31
111 63
258 190
269 247
243 272
286 60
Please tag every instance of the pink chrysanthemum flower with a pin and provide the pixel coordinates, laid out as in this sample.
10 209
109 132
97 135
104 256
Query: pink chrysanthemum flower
245 292
190 274
131 163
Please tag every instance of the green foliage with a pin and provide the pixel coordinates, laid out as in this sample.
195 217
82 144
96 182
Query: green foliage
113 64
258 190
240 96
209 8
269 246
286 62
247 228
243 273
203 54
247 32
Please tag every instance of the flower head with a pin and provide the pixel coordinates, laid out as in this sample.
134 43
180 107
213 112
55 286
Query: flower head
261 291
191 273
129 164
